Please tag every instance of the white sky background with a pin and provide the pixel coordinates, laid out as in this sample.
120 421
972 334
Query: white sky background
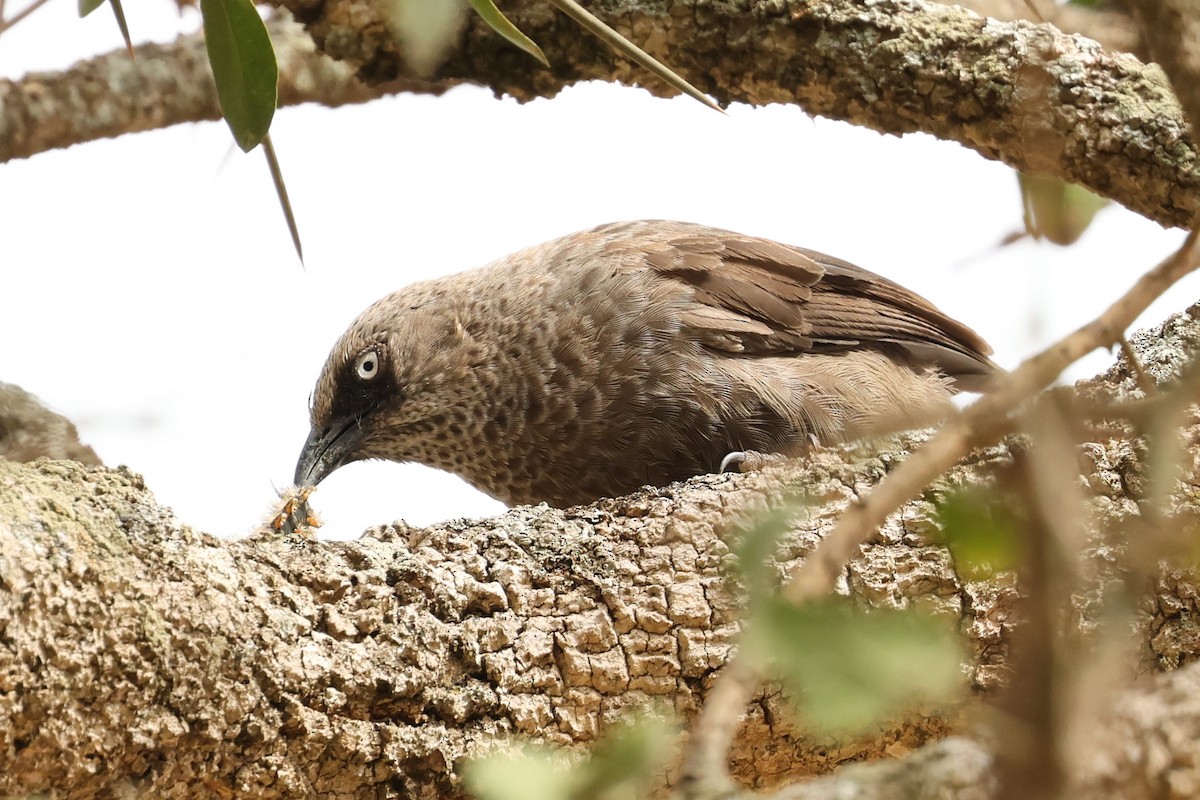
151 293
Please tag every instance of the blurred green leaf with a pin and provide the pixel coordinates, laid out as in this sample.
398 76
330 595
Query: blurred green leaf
848 669
487 10
424 29
525 773
626 760
1057 210
243 66
755 549
619 767
88 6
980 531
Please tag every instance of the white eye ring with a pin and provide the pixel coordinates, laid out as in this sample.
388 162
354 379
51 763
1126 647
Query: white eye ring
368 366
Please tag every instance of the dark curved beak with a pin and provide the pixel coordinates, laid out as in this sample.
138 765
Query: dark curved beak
327 449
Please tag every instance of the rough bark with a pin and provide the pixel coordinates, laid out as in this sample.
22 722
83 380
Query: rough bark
1029 95
1175 43
138 654
167 84
1144 750
1026 94
29 430
1112 27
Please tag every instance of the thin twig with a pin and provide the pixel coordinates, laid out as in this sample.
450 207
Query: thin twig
630 50
705 772
1135 366
281 192
1037 15
974 427
22 14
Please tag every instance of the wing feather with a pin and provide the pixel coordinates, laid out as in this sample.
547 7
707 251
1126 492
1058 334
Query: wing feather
756 296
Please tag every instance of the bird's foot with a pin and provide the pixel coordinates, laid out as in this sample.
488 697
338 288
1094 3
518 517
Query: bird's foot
749 460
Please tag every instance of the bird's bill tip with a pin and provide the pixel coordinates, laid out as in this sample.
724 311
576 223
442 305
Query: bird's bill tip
325 450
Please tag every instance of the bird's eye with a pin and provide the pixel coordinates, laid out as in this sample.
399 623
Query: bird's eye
368 365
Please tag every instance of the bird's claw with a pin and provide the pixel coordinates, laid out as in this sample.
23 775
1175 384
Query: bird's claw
748 460
734 459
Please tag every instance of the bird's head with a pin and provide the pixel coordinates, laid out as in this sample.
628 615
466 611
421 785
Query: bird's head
391 387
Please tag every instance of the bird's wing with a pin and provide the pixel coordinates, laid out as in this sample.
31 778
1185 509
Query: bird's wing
759 297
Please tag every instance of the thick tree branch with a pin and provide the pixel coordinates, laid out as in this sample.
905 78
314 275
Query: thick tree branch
1111 27
136 652
1172 28
166 85
1026 94
133 650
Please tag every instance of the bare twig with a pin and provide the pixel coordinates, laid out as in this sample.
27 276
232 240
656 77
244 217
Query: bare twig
281 192
5 24
1037 14
975 426
705 772
630 50
1135 366
1170 28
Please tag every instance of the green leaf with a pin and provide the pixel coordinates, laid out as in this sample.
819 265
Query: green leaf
848 669
243 66
425 29
88 6
1057 210
487 10
524 773
621 765
980 531
756 546
625 760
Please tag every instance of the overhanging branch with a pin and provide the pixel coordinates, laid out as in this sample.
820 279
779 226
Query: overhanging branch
1022 93
167 84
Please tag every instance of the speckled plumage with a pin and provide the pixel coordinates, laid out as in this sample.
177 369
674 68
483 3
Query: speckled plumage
636 353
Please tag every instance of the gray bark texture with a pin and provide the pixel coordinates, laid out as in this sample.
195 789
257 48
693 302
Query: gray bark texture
141 657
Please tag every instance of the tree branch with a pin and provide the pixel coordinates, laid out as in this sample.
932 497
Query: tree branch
1172 29
165 85
1025 94
134 651
1111 27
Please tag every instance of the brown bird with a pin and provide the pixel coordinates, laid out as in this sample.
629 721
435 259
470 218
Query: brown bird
635 353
